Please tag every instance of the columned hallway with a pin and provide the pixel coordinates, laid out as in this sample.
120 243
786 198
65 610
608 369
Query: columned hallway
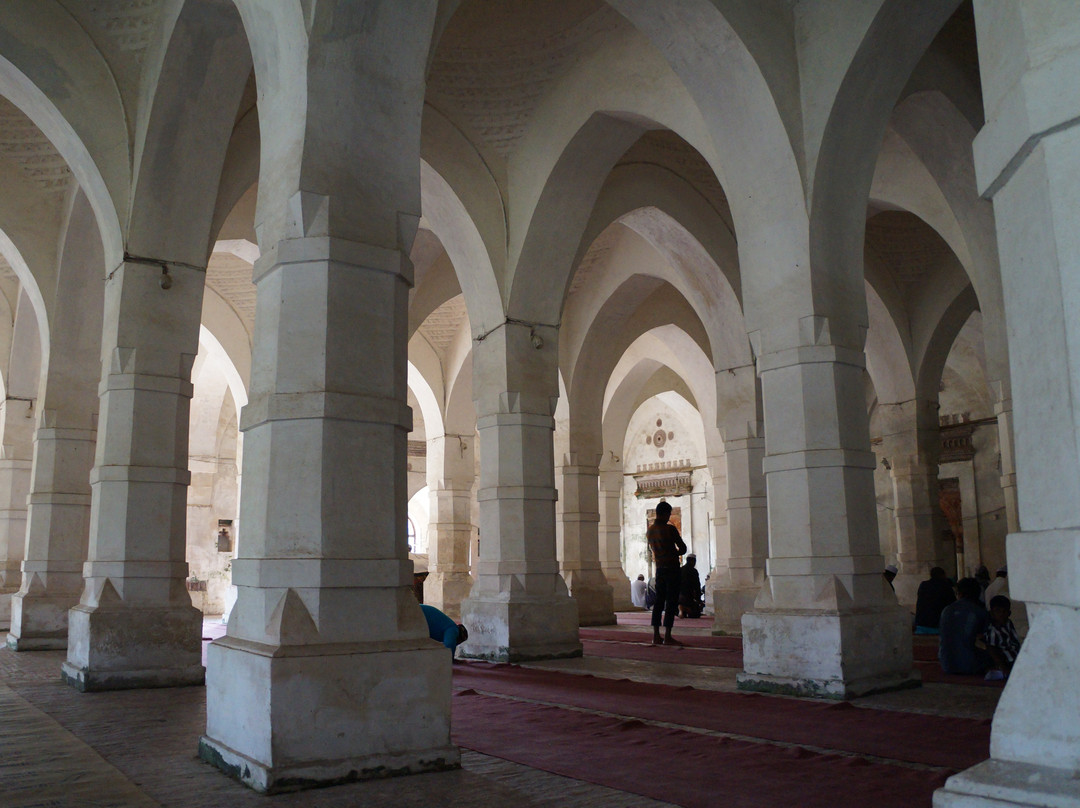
310 309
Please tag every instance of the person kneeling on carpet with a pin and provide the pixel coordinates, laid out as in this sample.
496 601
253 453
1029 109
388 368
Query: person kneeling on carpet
962 623
934 595
690 597
443 629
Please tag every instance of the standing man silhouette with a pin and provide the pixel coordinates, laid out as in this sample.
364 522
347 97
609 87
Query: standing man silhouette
666 545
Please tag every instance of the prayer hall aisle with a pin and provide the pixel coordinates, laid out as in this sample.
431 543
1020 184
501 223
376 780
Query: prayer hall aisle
618 729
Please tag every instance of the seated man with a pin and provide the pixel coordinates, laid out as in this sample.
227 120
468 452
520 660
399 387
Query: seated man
934 595
1000 638
650 593
962 623
443 629
637 592
690 589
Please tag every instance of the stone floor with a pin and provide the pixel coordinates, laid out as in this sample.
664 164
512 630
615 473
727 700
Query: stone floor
64 749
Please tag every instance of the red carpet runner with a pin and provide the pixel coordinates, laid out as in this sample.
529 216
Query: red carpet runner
726 652
679 766
691 769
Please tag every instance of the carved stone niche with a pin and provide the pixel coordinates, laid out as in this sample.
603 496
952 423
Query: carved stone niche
667 484
956 443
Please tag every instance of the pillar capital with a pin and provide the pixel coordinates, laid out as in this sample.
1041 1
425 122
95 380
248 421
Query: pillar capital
515 369
1022 92
312 251
806 337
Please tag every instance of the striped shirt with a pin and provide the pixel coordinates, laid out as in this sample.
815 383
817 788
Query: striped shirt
1003 638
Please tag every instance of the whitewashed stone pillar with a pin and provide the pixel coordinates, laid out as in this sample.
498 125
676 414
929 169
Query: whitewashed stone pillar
610 538
1003 411
58 509
741 521
825 622
326 672
1028 162
746 527
16 453
22 370
910 443
721 543
327 668
580 551
134 625
519 607
450 479
58 527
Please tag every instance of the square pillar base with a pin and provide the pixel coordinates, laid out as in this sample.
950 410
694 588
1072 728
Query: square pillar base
285 718
729 606
1003 784
593 595
520 628
36 643
823 654
825 688
277 780
126 647
620 589
40 623
446 590
5 607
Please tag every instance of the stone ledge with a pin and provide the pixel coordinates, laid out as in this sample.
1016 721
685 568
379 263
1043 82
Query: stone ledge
37 643
87 681
999 783
825 688
729 605
320 775
524 654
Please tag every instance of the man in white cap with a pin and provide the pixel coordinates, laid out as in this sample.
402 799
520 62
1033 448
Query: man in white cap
998 586
889 574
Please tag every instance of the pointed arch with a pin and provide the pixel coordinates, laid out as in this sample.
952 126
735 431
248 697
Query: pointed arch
749 147
447 217
186 132
887 359
53 72
941 341
551 246
895 41
670 216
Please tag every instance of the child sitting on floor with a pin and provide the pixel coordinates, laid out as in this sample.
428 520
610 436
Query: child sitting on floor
1000 638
